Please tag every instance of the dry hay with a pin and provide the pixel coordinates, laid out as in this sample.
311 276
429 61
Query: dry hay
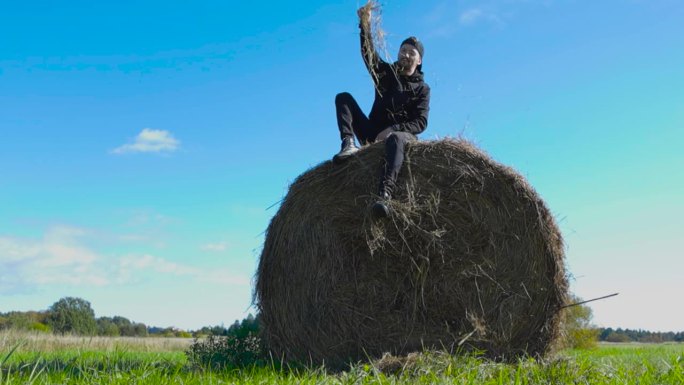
376 34
390 364
470 257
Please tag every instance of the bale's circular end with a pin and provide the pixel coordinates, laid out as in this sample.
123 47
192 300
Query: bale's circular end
470 256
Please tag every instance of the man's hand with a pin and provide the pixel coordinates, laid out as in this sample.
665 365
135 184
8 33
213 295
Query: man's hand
365 13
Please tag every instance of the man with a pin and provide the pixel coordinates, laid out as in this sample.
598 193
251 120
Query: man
399 112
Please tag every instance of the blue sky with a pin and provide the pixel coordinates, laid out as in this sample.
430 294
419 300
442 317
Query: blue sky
141 145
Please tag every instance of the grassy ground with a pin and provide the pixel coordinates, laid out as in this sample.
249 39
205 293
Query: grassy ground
32 359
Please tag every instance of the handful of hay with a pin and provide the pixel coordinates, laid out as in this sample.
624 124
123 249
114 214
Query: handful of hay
470 256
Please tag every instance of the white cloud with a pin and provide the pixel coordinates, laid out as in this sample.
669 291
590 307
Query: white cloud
470 16
150 218
12 251
132 238
221 246
57 258
79 277
150 140
437 13
62 254
222 277
62 257
136 265
475 15
150 262
439 21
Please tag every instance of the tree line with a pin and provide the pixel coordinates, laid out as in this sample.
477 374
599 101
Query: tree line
638 335
71 315
579 332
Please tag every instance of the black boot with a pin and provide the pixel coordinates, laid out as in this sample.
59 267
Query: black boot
380 209
348 149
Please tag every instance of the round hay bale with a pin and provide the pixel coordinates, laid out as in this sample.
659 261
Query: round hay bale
470 257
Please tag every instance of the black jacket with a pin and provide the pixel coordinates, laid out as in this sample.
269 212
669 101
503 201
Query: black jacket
401 102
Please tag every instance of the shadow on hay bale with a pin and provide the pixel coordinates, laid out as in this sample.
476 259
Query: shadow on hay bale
469 257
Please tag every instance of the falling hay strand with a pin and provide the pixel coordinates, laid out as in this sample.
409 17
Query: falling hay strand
470 258
589 300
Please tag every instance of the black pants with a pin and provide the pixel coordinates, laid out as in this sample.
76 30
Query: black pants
351 121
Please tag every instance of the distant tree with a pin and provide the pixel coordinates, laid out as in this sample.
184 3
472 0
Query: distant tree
218 330
120 321
617 336
239 329
247 326
28 320
72 315
37 316
125 326
107 327
169 332
154 330
139 330
639 335
605 332
579 332
19 320
652 338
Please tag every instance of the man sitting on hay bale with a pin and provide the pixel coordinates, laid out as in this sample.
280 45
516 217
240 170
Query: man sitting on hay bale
399 112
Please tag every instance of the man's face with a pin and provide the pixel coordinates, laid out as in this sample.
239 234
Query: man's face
409 58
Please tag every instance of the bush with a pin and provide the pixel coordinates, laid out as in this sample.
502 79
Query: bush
226 352
39 327
578 331
582 338
183 334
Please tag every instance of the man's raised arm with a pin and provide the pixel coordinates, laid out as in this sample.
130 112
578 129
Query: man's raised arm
370 56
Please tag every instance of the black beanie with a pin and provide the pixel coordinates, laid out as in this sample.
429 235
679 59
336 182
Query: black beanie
416 44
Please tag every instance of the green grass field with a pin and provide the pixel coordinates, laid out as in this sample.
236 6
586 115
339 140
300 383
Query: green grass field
32 359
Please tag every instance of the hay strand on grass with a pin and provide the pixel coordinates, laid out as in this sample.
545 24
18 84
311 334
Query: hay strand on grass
469 258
